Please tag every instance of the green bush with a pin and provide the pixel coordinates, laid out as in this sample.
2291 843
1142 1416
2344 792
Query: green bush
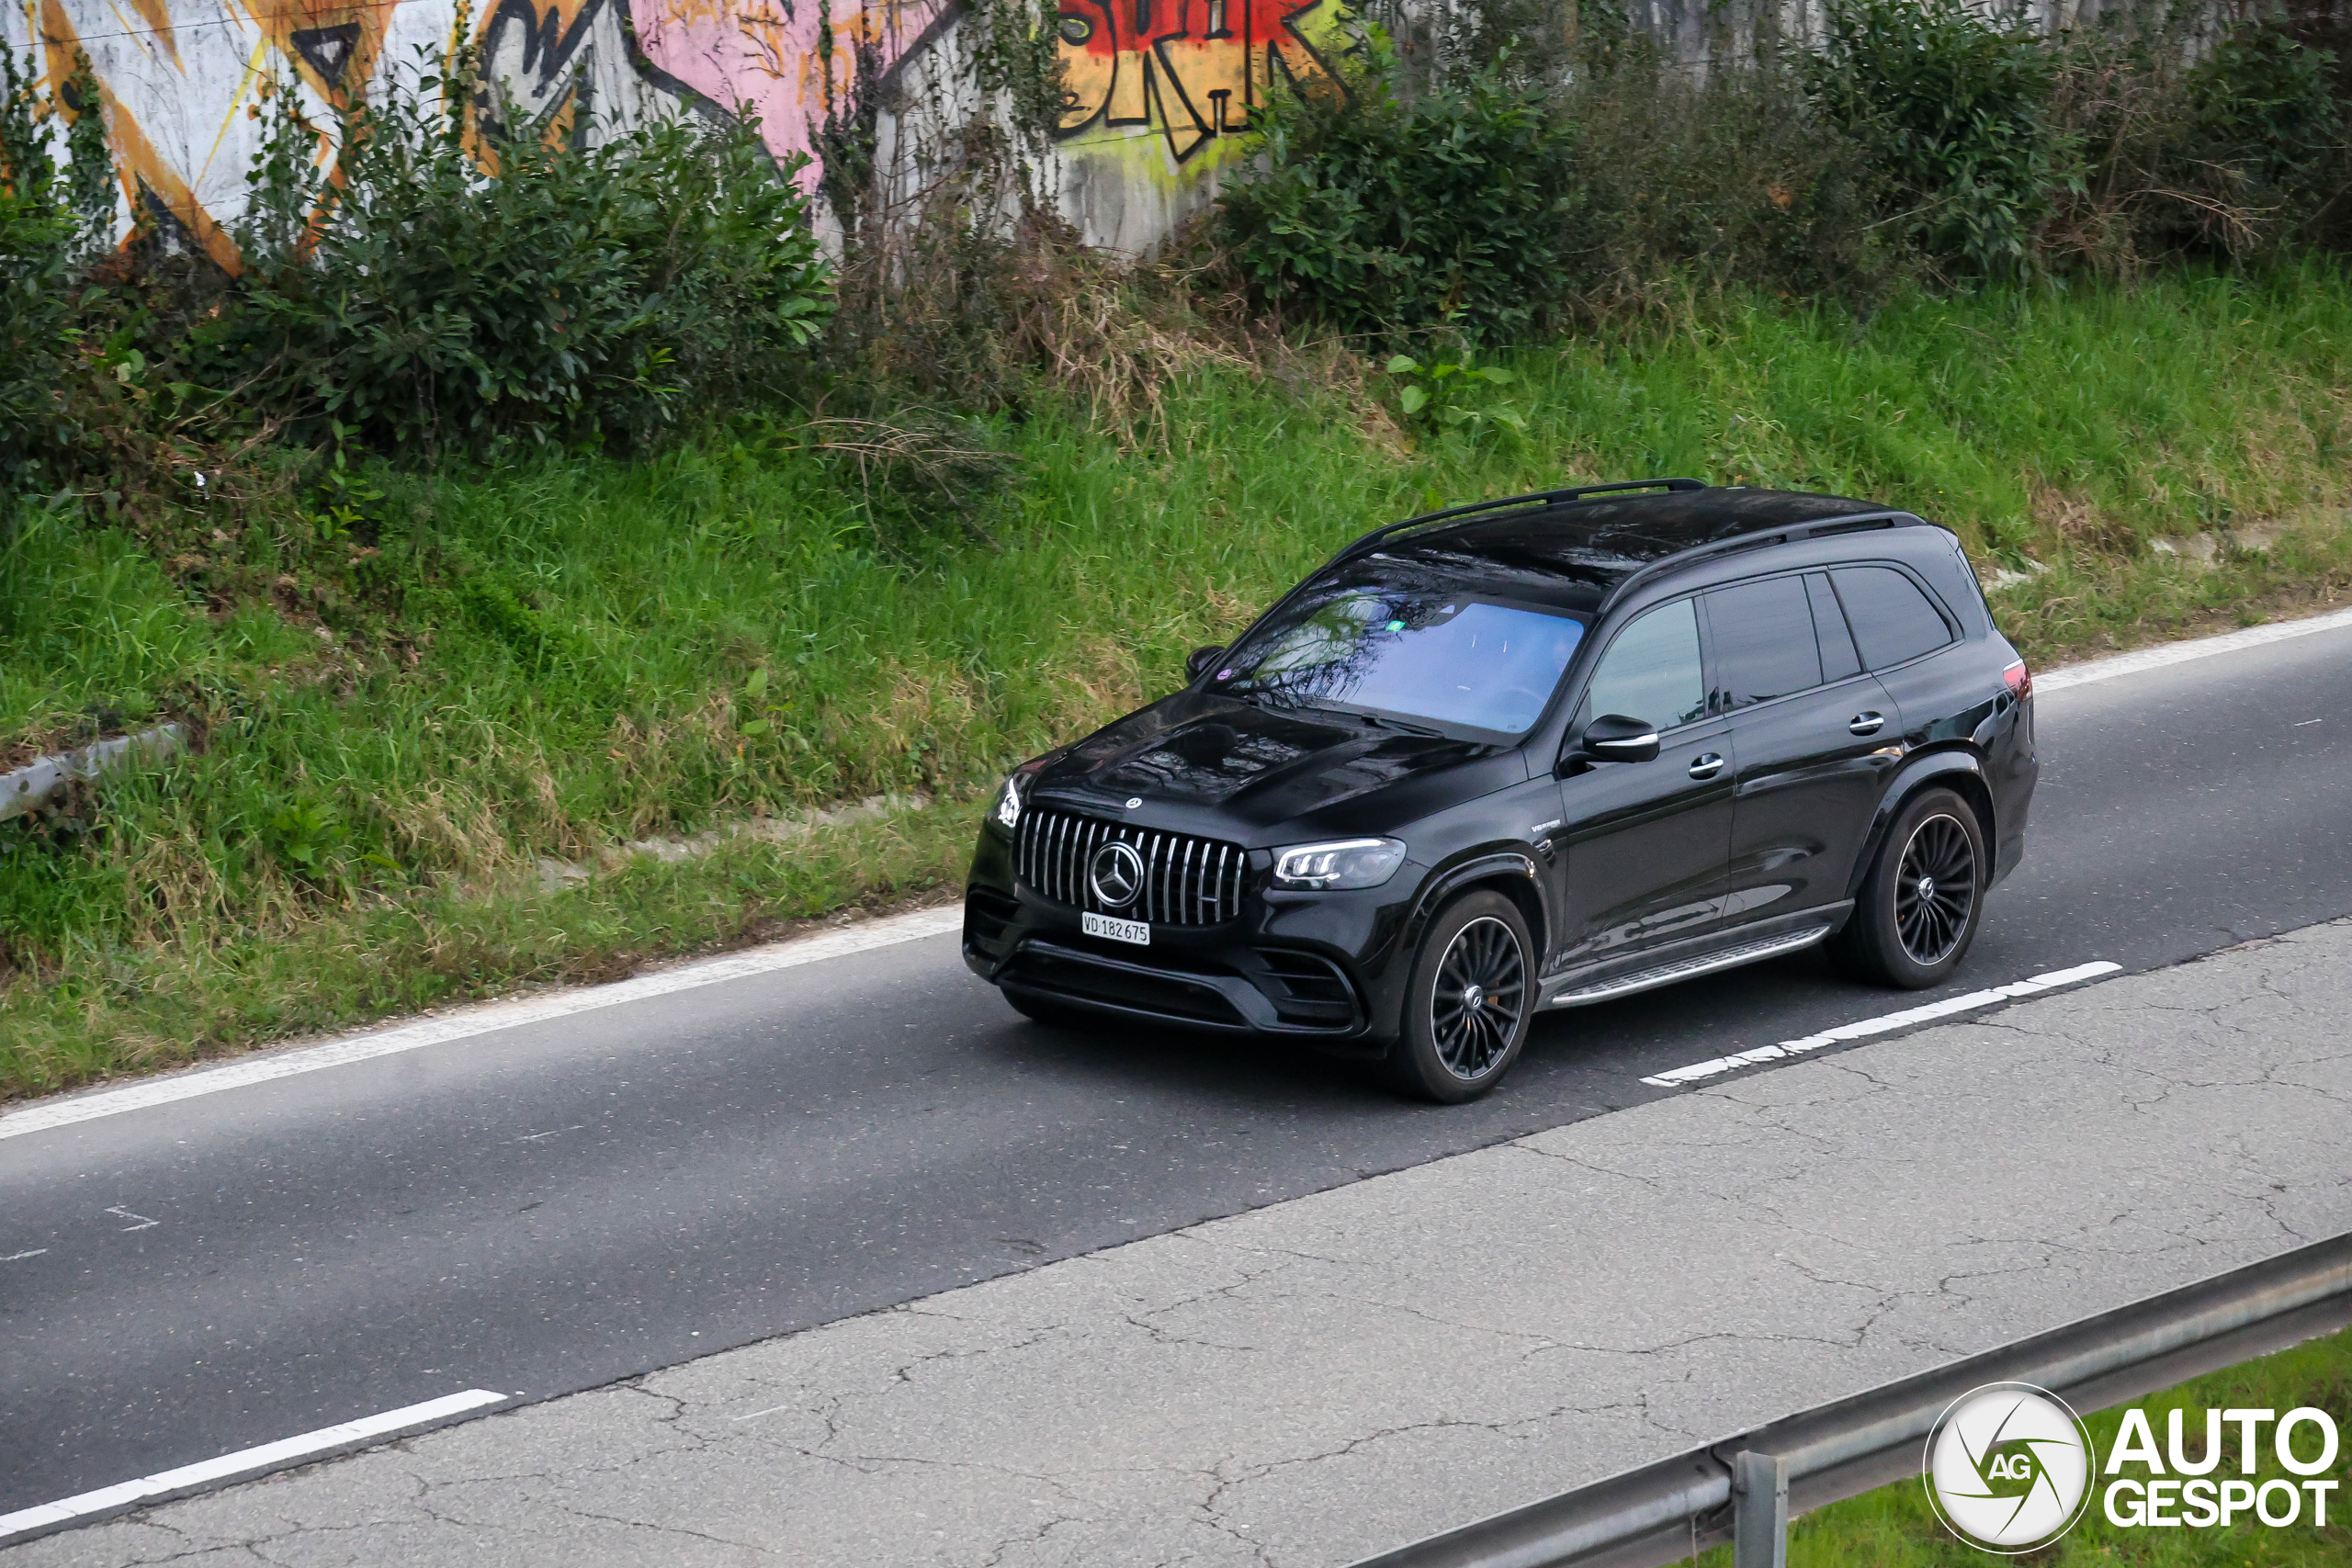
1384 215
1724 182
1953 108
53 215
2266 121
579 291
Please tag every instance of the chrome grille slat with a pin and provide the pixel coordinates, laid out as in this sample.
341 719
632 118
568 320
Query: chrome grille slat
1151 899
1187 881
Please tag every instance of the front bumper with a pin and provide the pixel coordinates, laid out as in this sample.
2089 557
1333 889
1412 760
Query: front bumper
1317 966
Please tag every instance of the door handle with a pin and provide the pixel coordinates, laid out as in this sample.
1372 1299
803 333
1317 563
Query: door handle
1706 765
1865 723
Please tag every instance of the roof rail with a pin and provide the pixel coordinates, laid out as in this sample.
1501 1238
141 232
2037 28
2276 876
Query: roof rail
1539 497
1788 534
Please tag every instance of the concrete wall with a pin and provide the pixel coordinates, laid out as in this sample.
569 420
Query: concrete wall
1159 89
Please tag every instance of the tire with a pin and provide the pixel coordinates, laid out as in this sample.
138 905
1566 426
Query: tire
1053 1015
1910 933
1444 1053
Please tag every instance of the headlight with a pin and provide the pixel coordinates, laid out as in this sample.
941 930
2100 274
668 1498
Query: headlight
1006 813
1347 862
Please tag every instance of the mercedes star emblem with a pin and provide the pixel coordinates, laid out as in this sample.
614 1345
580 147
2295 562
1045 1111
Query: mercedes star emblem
1115 873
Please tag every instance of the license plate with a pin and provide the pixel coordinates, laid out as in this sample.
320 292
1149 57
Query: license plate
1136 931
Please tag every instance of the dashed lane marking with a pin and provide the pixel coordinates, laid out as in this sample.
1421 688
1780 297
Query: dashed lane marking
1864 1029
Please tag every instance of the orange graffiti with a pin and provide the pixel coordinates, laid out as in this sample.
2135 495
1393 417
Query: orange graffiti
1194 68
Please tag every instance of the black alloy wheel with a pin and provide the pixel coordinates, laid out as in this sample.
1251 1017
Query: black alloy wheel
1935 889
1469 1002
1920 904
1481 985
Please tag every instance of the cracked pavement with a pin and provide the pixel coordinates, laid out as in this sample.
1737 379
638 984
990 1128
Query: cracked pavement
1326 1377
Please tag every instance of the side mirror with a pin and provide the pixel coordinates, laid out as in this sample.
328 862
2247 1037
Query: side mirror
1614 737
1198 662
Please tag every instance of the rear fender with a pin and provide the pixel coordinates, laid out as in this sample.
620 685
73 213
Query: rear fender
1957 769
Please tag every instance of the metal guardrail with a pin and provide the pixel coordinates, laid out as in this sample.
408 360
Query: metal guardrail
1744 1488
28 789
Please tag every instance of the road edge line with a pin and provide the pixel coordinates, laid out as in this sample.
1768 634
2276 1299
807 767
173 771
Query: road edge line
42 1518
2141 660
862 937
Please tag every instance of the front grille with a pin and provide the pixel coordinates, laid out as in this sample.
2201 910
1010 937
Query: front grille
1186 881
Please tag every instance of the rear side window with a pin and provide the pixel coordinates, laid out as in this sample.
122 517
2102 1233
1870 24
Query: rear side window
1891 619
1764 642
1839 658
1651 672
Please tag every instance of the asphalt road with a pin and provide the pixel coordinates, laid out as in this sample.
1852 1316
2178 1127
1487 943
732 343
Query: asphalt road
562 1204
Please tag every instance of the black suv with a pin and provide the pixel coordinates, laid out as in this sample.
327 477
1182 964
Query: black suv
1525 755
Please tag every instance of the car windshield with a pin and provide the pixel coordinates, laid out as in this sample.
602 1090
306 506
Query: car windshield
1433 655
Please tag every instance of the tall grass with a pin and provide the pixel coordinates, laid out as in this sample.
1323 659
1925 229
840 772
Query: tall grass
560 654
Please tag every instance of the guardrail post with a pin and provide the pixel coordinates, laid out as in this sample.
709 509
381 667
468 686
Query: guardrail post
1760 1518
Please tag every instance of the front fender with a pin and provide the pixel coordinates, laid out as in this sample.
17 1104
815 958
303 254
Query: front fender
1483 865
1489 864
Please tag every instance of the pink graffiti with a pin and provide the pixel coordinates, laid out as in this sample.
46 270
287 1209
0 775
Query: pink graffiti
763 55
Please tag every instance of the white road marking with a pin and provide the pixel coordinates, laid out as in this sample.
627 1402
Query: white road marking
119 1213
1677 1077
2302 723
245 1461
860 938
20 1256
2156 658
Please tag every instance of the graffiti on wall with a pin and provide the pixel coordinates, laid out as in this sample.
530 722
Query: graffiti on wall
176 81
783 60
1151 85
1191 72
561 64
181 84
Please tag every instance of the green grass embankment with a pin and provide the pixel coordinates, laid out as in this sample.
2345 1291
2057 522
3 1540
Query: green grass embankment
565 653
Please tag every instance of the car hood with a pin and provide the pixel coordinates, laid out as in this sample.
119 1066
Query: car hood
1195 758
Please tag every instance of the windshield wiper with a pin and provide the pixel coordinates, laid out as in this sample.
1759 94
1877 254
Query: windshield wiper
1405 726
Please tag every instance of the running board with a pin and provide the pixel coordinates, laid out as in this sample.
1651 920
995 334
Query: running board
1687 968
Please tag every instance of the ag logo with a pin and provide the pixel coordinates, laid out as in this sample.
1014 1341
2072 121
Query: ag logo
2008 1468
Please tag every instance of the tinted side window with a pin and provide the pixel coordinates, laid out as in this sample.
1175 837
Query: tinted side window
1764 642
1891 619
1651 672
1839 658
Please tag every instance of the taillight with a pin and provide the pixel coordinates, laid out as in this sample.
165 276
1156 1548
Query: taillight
2019 680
